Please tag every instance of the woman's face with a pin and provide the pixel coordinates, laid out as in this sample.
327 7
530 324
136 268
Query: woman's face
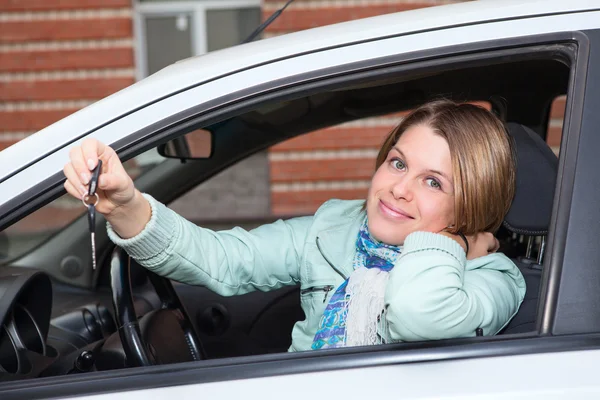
413 189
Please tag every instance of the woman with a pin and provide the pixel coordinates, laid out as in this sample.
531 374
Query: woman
416 261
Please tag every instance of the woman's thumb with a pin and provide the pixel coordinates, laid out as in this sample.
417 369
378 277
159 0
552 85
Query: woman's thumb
109 181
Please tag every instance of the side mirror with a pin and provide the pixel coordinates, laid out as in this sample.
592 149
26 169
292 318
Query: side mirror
191 146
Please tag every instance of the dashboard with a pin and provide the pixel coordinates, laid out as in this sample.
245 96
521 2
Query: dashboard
48 328
35 343
25 310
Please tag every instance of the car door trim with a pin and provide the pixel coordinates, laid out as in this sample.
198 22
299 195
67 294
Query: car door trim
222 370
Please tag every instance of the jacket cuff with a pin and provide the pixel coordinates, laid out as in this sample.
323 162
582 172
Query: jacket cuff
425 241
156 236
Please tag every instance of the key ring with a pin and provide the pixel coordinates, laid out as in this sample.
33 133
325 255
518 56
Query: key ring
86 200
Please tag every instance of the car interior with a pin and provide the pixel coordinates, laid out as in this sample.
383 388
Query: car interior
53 325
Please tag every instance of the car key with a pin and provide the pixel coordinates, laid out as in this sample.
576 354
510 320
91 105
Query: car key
91 201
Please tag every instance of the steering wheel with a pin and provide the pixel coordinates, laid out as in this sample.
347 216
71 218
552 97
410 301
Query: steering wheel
136 335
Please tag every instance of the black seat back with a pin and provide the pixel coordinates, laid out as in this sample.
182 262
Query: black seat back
530 213
525 319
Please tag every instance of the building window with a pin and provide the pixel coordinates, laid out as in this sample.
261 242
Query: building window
170 31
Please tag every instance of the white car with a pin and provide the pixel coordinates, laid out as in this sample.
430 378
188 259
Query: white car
60 336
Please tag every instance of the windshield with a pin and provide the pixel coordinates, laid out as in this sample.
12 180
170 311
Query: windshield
31 231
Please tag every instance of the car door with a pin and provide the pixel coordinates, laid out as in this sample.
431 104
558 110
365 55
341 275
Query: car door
566 334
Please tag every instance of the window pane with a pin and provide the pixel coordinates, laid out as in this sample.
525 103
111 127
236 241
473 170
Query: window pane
225 28
242 191
168 39
34 229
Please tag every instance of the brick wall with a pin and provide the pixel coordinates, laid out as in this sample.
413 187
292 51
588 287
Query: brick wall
302 178
57 56
305 14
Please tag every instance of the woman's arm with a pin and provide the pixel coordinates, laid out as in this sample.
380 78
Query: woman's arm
228 262
435 293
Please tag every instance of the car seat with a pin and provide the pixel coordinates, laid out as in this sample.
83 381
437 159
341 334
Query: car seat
529 216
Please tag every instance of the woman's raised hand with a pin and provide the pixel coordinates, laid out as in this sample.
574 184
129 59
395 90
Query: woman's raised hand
482 244
118 200
115 187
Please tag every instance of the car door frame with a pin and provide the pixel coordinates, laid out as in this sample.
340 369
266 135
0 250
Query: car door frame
393 354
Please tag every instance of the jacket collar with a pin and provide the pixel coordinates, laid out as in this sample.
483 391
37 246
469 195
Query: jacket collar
338 243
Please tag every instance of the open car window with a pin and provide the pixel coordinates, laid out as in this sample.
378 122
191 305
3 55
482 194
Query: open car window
333 156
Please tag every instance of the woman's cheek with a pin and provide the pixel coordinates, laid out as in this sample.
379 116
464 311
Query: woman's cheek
435 214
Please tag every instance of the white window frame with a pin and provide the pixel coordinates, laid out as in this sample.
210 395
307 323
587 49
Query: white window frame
197 10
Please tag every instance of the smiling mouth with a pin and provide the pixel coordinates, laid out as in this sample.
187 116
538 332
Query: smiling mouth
393 212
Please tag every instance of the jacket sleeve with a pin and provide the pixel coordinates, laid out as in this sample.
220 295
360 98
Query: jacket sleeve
228 262
435 293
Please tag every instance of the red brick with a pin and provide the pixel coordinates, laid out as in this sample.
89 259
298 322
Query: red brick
322 170
337 138
299 19
61 90
307 202
45 5
66 59
28 31
554 136
346 137
557 110
19 121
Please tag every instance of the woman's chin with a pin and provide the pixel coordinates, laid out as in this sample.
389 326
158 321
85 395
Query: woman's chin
387 236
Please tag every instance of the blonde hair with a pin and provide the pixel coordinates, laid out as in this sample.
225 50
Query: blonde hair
483 161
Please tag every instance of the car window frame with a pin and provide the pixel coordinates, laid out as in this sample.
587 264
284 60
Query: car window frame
572 303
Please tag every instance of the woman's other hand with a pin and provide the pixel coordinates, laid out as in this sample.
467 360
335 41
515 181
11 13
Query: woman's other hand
480 244
118 200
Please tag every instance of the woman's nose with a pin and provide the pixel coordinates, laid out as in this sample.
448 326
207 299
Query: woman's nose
402 188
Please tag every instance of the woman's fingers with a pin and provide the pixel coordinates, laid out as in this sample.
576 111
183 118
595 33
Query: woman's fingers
74 181
489 242
110 182
72 191
481 244
79 166
496 246
92 149
114 184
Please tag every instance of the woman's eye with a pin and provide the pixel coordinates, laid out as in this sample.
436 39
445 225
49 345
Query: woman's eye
398 164
433 183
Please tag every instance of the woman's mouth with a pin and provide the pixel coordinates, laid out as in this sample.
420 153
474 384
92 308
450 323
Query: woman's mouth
392 212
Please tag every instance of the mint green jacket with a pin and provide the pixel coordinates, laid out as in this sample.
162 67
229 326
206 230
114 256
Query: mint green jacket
433 291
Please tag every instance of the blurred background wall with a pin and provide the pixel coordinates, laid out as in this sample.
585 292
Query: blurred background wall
57 56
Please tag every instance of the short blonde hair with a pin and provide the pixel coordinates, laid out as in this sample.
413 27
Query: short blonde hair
483 161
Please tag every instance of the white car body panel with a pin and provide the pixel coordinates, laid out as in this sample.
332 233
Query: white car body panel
527 377
200 80
66 130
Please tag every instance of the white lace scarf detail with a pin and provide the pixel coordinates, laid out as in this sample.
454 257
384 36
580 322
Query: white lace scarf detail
365 306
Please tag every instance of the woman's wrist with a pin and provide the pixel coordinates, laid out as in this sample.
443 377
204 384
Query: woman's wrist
130 219
458 238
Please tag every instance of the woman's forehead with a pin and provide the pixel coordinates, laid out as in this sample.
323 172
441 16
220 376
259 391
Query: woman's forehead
421 145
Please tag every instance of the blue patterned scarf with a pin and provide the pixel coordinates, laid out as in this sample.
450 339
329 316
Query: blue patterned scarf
370 254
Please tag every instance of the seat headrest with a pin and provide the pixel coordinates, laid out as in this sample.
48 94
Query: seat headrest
537 167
